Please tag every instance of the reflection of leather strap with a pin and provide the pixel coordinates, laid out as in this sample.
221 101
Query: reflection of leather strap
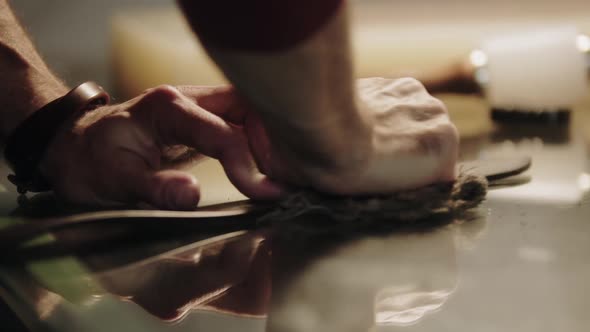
26 147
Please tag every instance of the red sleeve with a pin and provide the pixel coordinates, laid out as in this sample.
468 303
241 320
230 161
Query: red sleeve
257 25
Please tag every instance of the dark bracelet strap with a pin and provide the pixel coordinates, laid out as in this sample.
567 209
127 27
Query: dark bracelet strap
26 146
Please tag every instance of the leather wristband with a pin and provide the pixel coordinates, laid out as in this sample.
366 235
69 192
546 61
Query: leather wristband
26 146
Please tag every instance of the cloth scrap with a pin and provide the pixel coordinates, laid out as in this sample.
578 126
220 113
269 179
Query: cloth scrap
451 200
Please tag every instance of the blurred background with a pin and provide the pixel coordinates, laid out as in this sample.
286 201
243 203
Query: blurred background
74 35
129 46
79 38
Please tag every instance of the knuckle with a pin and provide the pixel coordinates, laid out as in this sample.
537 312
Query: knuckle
448 132
155 100
409 85
442 138
162 93
449 141
427 110
436 106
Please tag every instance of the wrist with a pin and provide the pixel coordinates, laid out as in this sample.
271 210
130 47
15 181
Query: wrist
325 152
27 145
349 155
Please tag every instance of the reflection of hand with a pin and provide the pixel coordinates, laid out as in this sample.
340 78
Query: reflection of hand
116 154
410 142
384 281
229 276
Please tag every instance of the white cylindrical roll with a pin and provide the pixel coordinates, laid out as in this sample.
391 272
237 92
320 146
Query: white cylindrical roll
540 69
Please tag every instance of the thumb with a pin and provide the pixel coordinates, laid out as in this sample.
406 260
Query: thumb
242 171
170 189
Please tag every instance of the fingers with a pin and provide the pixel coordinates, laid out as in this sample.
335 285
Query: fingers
220 100
175 119
128 177
413 132
115 157
241 169
180 121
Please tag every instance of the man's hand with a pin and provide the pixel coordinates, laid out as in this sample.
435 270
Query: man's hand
381 137
410 142
116 154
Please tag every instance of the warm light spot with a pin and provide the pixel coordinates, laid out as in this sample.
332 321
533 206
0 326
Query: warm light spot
583 43
584 182
478 58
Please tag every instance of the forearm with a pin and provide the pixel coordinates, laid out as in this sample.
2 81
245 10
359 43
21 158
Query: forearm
25 81
302 84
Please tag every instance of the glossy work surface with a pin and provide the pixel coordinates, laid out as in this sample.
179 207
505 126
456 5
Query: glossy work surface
521 263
